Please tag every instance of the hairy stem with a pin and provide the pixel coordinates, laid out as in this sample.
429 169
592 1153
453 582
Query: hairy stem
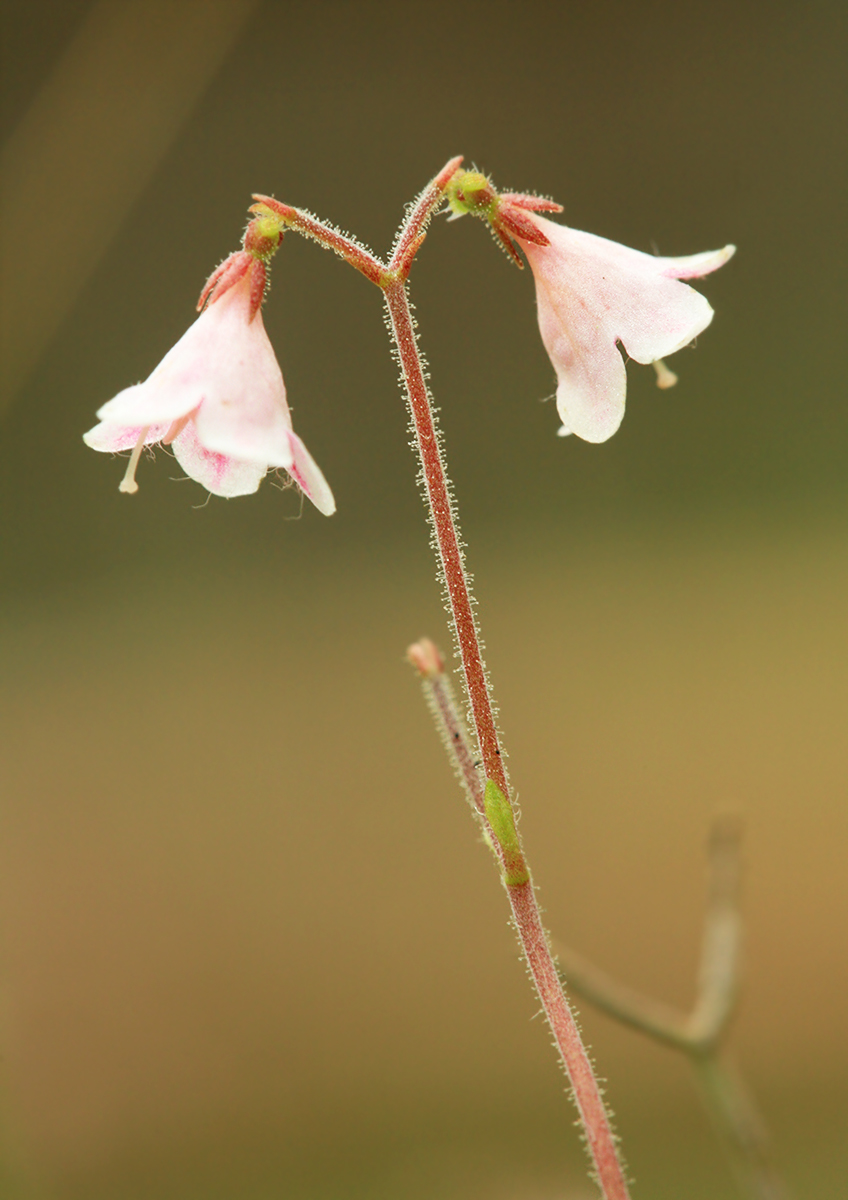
414 227
446 531
528 924
391 279
441 701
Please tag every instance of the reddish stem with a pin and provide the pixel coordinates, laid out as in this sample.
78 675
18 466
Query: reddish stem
427 660
445 527
331 239
531 933
443 518
411 234
587 1096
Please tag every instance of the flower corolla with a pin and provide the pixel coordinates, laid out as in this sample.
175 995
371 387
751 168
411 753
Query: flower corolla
592 293
217 398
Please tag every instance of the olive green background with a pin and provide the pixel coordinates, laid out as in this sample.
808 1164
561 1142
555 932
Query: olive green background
252 947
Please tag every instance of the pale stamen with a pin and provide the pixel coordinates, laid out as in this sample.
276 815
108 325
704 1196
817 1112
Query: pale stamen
128 483
665 377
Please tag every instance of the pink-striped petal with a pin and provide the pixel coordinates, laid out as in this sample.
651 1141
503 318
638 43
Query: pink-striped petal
110 437
219 474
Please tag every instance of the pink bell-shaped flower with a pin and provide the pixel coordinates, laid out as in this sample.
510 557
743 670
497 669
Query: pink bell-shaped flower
592 293
217 398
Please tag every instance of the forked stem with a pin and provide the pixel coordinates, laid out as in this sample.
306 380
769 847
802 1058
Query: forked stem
491 794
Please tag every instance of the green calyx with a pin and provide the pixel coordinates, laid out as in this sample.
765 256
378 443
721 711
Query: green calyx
472 192
263 236
502 823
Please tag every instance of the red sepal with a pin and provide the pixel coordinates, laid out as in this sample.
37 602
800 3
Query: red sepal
519 225
508 245
258 280
230 271
531 203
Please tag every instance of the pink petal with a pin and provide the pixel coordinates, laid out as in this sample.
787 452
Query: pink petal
243 412
111 437
592 293
219 474
307 474
225 359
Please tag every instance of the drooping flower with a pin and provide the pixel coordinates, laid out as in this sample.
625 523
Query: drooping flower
592 294
217 398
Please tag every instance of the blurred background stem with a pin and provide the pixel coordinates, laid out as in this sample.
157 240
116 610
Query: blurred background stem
700 1034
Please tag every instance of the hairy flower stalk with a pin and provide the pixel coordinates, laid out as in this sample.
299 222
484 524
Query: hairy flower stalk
497 814
514 871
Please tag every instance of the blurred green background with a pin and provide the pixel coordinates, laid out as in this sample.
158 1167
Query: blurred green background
252 947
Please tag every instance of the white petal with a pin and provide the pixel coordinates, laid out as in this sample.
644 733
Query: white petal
144 404
223 358
307 474
219 474
695 265
659 317
592 388
592 293
253 428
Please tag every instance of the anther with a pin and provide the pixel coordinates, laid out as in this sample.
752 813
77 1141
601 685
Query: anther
128 483
665 377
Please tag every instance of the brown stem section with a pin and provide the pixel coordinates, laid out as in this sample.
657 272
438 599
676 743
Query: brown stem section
441 701
325 235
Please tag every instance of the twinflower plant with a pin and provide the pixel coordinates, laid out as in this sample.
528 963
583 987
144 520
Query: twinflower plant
217 398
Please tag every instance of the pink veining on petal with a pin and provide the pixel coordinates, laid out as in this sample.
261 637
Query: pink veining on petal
218 473
107 436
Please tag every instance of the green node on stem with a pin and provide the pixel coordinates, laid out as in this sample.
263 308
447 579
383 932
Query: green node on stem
502 822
